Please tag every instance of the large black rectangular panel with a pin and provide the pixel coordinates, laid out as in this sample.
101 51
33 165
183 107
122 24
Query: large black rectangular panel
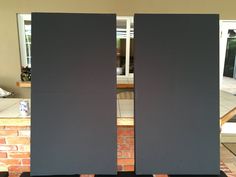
177 94
73 94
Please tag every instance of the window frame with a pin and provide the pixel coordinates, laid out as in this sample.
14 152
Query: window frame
129 20
22 41
23 49
225 25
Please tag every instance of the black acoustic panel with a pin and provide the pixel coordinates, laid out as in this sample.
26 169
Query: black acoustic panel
73 94
4 174
222 174
124 174
177 94
27 174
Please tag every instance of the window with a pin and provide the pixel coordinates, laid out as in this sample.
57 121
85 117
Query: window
24 26
230 56
124 44
227 49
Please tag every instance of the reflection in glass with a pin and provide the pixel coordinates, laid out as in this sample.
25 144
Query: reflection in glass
131 64
27 25
120 46
230 57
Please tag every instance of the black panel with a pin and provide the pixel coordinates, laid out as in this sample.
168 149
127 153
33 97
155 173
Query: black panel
177 94
4 174
222 174
124 174
27 174
73 94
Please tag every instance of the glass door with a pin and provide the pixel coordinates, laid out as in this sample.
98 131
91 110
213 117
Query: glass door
230 62
124 47
227 50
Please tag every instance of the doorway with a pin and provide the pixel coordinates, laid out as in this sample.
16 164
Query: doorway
228 56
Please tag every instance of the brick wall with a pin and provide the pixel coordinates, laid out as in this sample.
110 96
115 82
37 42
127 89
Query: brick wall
125 149
15 149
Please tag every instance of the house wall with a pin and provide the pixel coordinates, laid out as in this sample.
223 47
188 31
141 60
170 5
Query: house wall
15 147
9 42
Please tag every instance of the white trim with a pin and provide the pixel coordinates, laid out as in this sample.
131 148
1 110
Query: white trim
131 75
127 51
123 17
124 76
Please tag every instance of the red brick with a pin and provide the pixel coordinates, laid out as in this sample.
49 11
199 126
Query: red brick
125 147
120 140
26 161
125 161
8 132
125 150
8 148
23 155
125 132
160 175
87 175
10 161
14 174
119 154
24 148
3 155
119 167
16 169
129 140
18 140
128 154
129 168
24 133
2 141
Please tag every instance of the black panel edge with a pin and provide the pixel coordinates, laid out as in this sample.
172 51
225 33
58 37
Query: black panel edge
4 174
27 174
222 174
124 174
